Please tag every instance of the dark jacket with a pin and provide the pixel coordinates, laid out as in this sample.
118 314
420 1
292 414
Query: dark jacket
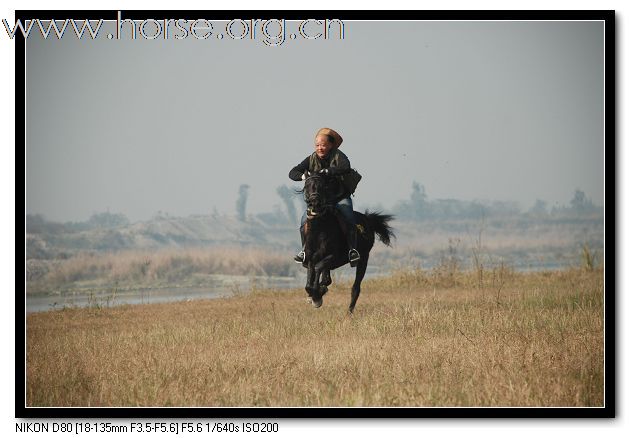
342 167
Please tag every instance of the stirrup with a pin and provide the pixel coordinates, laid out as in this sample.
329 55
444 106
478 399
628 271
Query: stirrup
300 257
354 256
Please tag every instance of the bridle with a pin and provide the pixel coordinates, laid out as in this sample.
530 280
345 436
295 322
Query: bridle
325 206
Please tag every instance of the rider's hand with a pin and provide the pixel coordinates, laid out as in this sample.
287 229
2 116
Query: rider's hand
303 176
324 171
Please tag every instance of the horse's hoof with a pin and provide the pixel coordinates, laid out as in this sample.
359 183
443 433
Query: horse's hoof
317 304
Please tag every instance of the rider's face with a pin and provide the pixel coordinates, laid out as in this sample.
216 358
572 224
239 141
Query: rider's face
322 146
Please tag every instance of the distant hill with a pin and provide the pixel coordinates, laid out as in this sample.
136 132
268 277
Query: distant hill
46 240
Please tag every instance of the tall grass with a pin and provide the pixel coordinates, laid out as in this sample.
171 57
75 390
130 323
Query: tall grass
589 259
166 266
417 338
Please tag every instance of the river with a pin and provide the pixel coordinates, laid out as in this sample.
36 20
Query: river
225 286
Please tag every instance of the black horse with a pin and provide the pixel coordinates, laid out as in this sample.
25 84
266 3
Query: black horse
326 246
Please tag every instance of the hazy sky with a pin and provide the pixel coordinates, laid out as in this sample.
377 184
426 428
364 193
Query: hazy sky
472 110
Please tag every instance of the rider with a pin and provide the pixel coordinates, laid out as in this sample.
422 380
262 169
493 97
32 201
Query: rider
328 159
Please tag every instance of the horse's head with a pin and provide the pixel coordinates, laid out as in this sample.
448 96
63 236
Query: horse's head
319 194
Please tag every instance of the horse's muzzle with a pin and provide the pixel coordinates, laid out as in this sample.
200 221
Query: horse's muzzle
311 212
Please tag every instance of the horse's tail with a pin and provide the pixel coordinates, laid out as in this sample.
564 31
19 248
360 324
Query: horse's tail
380 224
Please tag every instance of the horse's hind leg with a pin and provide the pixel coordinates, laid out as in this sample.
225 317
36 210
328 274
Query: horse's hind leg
356 287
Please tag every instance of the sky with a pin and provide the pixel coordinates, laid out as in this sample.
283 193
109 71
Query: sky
509 111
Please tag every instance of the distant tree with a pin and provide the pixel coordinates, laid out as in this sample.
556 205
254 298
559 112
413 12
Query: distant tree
108 220
38 224
288 197
579 199
580 203
241 202
35 223
539 208
418 193
419 203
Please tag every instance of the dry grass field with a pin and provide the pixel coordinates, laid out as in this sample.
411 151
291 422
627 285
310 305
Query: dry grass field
417 338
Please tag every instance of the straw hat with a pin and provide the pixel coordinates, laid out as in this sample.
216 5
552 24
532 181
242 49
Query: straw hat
334 134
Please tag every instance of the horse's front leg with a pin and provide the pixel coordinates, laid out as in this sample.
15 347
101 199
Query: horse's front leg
322 266
311 285
326 279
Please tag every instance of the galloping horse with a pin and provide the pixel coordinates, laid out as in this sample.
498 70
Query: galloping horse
326 247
